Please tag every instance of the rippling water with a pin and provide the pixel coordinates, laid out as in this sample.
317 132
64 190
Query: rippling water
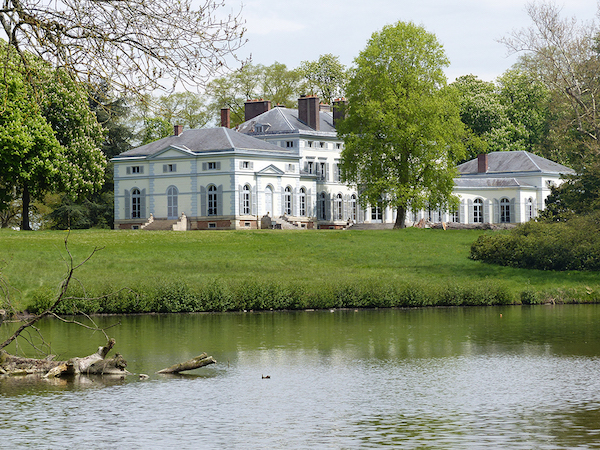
517 378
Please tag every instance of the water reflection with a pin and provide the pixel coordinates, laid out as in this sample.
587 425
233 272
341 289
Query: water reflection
512 377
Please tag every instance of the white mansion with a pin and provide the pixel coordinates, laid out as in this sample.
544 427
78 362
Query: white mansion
283 163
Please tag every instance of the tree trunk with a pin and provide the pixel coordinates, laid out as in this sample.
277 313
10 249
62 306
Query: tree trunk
194 363
25 217
94 364
400 217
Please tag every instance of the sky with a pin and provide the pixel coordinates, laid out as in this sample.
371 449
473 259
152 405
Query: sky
291 31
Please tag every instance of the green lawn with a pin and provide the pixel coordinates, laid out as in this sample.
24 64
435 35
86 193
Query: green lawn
313 259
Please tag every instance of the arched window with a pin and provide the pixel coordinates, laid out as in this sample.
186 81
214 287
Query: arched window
322 206
478 210
302 202
246 200
529 208
338 208
136 203
287 201
172 212
353 208
505 210
212 200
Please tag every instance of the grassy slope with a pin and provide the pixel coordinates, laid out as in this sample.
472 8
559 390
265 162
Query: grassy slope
135 259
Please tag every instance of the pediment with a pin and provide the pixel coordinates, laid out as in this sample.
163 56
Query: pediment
271 170
172 152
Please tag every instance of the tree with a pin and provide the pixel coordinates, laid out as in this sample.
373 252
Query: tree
275 83
325 77
402 132
511 114
49 137
136 44
563 54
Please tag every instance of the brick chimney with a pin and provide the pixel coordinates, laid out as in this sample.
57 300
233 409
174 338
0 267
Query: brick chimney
253 108
226 117
482 163
177 130
308 111
339 110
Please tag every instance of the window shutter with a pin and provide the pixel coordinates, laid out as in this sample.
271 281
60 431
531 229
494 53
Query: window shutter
218 165
128 170
143 204
174 168
253 196
305 166
220 206
241 197
309 204
204 166
345 207
513 211
327 172
141 169
164 168
251 165
470 211
486 211
127 204
319 206
328 207
241 164
203 200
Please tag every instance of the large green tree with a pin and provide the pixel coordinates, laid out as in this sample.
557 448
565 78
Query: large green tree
402 132
49 138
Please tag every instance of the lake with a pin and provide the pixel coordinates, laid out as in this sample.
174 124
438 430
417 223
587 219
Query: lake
462 378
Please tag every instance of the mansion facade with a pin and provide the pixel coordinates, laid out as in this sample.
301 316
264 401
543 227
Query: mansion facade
280 168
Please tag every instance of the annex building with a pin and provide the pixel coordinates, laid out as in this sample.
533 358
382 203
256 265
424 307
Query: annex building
280 168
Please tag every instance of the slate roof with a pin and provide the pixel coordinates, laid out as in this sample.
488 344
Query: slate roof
516 161
207 140
285 120
469 182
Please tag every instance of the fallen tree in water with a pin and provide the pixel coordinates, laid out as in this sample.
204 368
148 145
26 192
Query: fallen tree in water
194 363
95 364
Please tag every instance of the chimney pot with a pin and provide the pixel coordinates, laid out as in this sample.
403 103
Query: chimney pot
308 111
253 108
177 130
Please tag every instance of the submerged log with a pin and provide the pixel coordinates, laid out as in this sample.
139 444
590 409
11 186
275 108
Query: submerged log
194 363
94 364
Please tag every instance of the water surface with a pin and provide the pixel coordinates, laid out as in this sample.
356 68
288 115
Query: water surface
505 377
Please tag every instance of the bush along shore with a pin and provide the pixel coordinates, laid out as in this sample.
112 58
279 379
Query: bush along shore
178 297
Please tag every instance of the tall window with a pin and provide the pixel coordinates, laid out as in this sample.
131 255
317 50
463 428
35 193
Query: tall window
172 202
302 202
269 200
454 217
246 200
212 200
478 210
529 208
353 208
505 210
376 212
339 212
136 204
287 201
322 206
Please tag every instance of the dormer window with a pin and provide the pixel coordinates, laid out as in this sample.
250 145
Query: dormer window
262 127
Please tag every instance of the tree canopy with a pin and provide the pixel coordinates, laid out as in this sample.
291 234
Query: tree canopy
325 77
49 137
136 44
402 131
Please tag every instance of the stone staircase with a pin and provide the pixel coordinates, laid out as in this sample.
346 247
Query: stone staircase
159 224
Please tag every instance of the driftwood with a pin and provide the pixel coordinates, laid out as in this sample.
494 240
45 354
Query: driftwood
194 363
94 364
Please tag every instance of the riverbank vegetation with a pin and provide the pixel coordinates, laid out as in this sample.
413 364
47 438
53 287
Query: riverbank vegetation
257 270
